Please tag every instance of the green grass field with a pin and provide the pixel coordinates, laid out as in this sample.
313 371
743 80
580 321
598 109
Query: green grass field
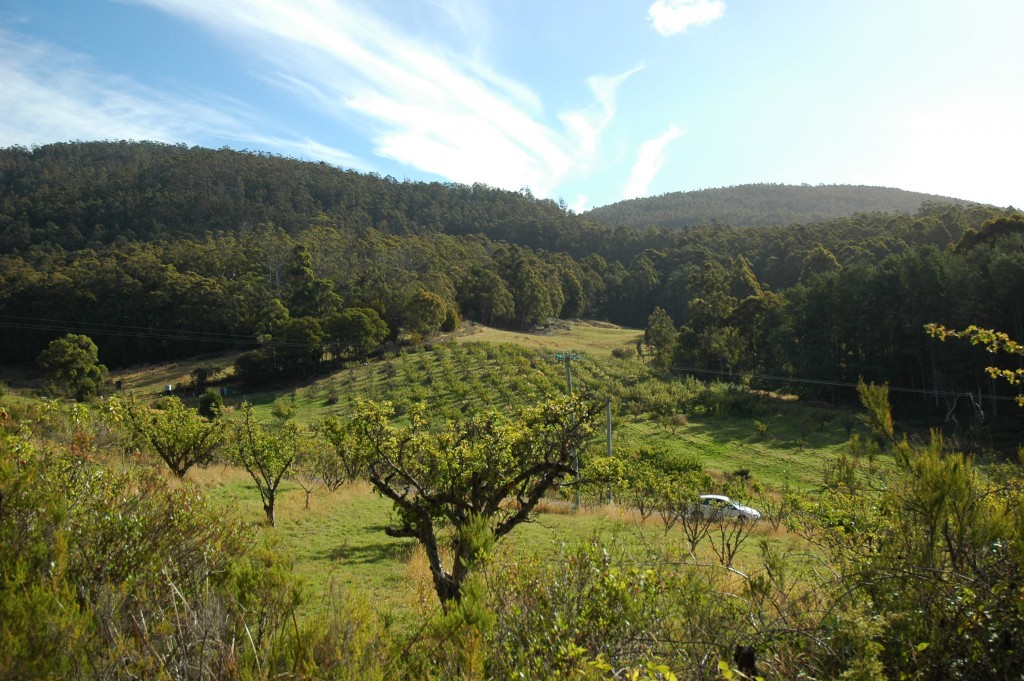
582 336
339 541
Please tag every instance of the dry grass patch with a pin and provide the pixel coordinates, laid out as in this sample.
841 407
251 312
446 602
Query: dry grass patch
579 335
152 379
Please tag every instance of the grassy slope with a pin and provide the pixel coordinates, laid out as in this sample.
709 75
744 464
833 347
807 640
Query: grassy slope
339 541
581 336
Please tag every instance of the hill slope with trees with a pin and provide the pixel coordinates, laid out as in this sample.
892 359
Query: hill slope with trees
87 194
761 205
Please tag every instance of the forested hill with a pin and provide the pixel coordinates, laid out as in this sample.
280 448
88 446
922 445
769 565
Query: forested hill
760 205
91 193
85 194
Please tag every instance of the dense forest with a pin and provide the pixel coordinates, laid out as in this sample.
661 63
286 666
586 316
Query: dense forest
761 205
158 252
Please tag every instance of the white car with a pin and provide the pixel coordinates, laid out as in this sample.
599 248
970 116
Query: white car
719 507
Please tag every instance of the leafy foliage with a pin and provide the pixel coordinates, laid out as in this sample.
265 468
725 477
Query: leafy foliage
265 453
463 473
110 574
180 436
72 362
995 342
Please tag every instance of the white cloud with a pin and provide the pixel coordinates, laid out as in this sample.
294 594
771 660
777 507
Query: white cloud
585 126
648 163
580 203
440 108
675 16
51 95
445 112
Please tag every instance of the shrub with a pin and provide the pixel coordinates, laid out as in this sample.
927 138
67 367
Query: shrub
202 375
211 405
109 573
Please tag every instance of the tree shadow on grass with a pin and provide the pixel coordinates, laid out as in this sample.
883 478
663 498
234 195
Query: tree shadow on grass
386 549
785 431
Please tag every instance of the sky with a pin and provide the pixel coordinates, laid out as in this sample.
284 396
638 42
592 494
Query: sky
586 102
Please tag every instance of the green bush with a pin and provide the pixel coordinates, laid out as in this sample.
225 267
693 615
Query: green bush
211 404
105 572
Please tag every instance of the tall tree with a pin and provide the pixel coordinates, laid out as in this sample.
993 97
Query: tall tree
484 297
425 312
355 331
72 363
660 334
309 295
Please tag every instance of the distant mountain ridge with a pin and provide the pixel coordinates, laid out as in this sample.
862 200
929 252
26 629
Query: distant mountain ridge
761 205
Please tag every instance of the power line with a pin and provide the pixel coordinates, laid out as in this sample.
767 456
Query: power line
36 324
66 326
838 384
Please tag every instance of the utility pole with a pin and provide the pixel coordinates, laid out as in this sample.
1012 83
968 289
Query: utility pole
567 357
608 412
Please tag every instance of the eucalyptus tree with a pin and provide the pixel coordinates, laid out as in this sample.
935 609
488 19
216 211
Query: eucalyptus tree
660 334
355 331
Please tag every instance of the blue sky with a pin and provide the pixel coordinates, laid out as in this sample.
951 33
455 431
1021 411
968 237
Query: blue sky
590 102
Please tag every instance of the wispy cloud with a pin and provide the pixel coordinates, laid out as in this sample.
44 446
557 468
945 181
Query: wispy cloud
439 109
674 16
585 126
435 105
51 94
648 163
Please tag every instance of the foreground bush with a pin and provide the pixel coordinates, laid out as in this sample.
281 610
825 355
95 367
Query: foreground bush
108 573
